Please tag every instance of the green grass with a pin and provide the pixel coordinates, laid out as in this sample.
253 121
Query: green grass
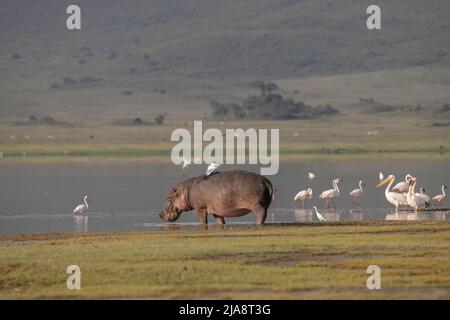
292 262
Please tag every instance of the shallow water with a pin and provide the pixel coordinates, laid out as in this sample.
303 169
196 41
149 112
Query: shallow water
128 197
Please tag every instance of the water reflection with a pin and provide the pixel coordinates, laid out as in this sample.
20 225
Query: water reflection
81 223
301 215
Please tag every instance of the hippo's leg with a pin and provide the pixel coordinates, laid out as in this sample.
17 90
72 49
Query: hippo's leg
202 216
219 220
261 215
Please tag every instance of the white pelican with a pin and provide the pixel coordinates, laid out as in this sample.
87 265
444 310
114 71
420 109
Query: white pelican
424 196
82 208
380 176
212 168
357 193
310 176
328 195
438 198
415 200
318 215
396 198
302 195
403 186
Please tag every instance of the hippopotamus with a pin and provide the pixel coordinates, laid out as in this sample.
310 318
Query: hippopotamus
223 194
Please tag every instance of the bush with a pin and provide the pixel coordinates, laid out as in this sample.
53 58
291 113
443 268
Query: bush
270 107
159 119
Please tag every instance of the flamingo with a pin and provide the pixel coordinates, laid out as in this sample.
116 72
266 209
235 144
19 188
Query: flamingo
357 193
212 168
403 186
82 208
318 215
415 200
438 198
302 195
328 195
396 198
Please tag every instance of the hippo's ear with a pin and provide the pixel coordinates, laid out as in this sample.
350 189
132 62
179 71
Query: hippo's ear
174 190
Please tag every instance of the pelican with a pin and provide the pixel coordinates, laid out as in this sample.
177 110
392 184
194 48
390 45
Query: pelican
318 215
396 198
212 168
302 195
310 176
415 200
328 195
357 193
438 198
424 196
381 176
82 208
403 186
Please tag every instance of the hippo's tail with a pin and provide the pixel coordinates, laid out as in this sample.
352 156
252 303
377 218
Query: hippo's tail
269 186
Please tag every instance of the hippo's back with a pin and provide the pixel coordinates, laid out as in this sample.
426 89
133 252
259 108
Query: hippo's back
236 188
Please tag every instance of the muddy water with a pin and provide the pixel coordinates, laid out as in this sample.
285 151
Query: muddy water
125 197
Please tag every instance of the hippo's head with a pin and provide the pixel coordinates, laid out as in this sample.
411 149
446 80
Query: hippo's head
176 203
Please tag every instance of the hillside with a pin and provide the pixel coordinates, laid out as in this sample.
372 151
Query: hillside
158 52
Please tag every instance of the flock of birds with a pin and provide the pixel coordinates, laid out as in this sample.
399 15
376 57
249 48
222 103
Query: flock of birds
401 195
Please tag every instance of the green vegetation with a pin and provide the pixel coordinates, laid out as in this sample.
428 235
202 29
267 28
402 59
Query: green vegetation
42 121
269 106
273 262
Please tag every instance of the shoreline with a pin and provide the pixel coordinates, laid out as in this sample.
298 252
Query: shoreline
308 261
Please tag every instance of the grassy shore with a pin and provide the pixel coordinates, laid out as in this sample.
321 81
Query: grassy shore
343 137
280 261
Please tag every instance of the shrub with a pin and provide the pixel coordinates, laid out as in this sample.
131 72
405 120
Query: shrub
159 119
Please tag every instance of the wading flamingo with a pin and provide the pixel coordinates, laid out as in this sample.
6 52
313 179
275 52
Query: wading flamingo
440 197
302 195
328 195
357 193
82 208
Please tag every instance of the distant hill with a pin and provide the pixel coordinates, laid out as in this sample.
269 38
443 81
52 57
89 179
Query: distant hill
136 45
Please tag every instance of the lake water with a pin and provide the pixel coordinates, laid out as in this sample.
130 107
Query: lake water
129 197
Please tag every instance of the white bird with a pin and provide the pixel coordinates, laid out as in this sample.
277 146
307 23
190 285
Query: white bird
403 186
186 163
381 176
318 215
357 193
438 198
328 195
396 198
82 208
424 196
212 168
302 195
414 200
310 176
